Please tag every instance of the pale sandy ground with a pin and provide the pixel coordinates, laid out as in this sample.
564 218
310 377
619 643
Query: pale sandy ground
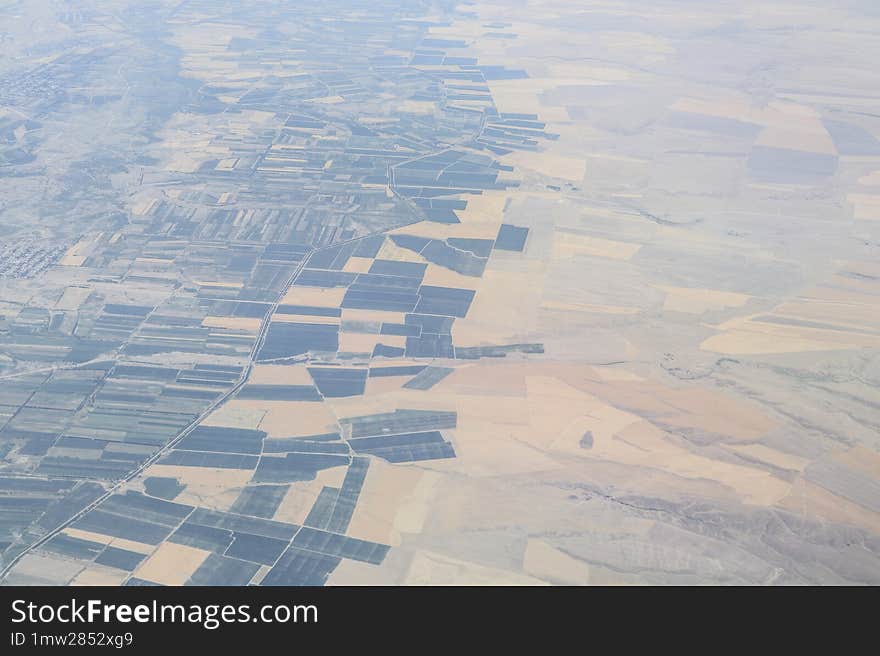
273 374
697 301
232 323
207 487
305 318
391 251
373 316
77 254
121 543
358 265
44 569
171 564
382 384
672 391
290 418
314 296
389 502
100 576
567 244
234 415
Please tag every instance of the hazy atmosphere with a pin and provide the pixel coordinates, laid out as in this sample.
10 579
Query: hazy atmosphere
400 292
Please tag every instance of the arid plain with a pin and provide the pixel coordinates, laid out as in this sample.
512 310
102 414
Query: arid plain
706 410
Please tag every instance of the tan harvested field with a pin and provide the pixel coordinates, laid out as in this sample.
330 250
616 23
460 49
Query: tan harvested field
130 545
390 501
171 564
315 296
443 277
235 416
273 374
206 487
290 418
372 316
358 265
100 576
385 384
304 318
390 251
232 323
697 301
